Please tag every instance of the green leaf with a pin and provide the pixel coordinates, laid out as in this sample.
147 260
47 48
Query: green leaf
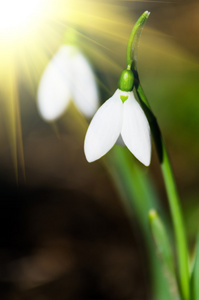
195 274
139 196
164 250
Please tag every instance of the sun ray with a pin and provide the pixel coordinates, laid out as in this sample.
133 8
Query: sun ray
27 46
8 93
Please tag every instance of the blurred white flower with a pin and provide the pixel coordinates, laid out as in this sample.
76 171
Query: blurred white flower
121 114
68 76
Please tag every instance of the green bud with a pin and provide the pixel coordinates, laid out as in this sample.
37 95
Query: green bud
126 81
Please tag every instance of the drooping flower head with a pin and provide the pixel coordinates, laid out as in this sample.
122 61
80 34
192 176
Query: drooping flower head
68 76
119 115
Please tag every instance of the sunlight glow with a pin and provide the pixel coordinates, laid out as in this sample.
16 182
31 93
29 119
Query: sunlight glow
16 15
31 31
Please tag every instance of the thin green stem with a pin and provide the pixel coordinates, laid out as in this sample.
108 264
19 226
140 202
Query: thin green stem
173 198
131 55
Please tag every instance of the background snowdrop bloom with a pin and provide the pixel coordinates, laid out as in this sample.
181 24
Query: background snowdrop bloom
68 76
120 114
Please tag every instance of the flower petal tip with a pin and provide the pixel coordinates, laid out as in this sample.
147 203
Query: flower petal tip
90 156
90 160
145 156
146 162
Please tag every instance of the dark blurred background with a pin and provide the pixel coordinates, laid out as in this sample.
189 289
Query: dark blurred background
64 233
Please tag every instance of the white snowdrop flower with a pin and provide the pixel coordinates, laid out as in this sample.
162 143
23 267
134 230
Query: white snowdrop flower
120 114
68 76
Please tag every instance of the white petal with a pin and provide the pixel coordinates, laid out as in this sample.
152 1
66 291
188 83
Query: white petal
54 89
63 60
136 131
84 87
104 128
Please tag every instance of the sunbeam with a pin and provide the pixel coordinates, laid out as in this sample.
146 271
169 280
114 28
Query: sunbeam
32 31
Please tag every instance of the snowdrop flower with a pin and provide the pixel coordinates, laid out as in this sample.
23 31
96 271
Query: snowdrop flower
120 114
68 76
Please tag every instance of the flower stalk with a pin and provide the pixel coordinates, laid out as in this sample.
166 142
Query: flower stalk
173 197
131 53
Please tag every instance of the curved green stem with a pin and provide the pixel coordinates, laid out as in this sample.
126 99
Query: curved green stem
132 46
176 213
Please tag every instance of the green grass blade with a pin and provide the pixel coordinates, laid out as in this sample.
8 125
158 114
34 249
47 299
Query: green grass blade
164 251
139 197
195 275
